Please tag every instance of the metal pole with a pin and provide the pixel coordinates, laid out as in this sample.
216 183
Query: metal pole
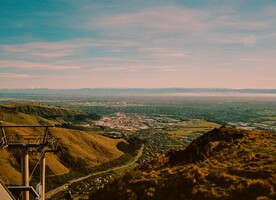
25 172
42 176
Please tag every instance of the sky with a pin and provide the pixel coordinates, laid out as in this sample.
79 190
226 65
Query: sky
138 44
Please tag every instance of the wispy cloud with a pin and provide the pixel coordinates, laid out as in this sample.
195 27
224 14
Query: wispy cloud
270 10
136 68
14 75
150 42
180 19
41 50
224 25
246 40
164 52
34 65
236 22
166 18
62 49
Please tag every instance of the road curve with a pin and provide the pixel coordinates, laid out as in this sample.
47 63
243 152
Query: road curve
65 186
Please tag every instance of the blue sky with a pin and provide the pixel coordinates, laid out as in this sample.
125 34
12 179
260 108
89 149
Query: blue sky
138 44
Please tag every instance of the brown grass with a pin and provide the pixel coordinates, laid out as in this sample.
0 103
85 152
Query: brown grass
87 148
225 163
8 174
79 148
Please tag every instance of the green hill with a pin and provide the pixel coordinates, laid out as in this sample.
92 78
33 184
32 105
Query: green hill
80 148
224 163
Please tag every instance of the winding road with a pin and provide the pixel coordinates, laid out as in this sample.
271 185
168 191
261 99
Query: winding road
65 186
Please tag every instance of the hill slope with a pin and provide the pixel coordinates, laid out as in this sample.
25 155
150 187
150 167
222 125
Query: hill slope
57 114
224 163
80 149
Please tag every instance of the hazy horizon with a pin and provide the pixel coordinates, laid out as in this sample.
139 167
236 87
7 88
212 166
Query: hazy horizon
153 92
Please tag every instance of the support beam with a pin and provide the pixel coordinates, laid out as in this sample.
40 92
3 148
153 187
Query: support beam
25 171
23 188
42 176
45 136
4 141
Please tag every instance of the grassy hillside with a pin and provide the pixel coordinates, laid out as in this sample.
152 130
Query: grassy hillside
224 163
84 149
79 148
56 114
9 116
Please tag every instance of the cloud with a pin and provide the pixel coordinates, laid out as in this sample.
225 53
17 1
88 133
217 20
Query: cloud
246 40
14 75
167 19
40 49
235 21
151 42
63 55
115 55
255 59
160 25
35 65
136 68
164 52
270 10
69 48
178 19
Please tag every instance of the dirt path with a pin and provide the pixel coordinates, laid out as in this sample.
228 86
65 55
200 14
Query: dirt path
65 186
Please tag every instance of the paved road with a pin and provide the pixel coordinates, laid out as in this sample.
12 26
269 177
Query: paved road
65 186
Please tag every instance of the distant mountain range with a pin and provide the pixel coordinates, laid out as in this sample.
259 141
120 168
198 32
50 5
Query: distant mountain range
135 91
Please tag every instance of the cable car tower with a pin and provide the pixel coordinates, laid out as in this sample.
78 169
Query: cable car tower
34 143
